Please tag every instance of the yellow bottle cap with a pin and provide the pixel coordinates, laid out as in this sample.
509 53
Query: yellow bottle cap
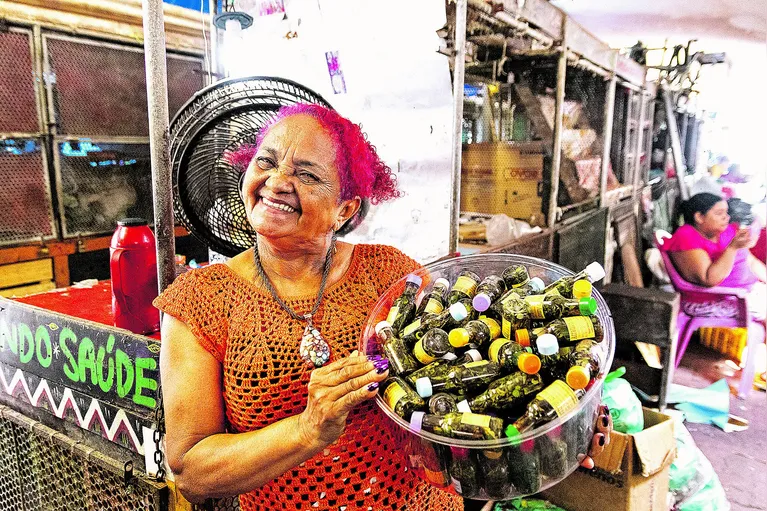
421 355
458 337
523 337
529 363
582 289
578 377
495 346
495 328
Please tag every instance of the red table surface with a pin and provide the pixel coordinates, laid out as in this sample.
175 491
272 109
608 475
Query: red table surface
90 303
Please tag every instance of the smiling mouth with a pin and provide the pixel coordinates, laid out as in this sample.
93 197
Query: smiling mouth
277 205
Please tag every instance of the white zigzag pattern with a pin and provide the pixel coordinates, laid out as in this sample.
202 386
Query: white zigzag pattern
94 410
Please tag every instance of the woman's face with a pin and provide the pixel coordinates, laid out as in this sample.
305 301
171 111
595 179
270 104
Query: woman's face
291 187
714 221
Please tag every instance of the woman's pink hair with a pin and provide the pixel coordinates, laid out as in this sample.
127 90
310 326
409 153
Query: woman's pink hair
361 171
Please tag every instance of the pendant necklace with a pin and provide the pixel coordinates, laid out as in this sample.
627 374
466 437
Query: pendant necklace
314 350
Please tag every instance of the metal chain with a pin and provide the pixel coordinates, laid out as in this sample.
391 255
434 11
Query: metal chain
270 288
159 432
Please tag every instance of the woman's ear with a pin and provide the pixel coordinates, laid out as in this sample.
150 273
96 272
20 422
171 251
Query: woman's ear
348 209
699 217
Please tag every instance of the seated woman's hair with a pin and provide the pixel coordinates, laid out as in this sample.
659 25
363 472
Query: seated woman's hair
698 203
361 171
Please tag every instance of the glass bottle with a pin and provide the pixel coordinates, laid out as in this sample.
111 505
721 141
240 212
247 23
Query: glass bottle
525 336
494 471
463 426
514 315
455 313
488 291
526 473
512 357
463 472
584 364
569 331
434 302
531 287
547 349
554 401
552 453
564 286
504 393
402 310
464 287
459 379
400 398
400 360
433 345
549 307
442 403
479 332
438 366
470 355
515 276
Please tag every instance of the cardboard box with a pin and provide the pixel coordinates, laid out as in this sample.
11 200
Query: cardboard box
503 177
630 475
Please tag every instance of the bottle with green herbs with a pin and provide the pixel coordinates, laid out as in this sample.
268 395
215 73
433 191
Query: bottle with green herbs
504 393
479 332
465 287
434 302
525 337
488 291
582 289
402 310
457 312
442 403
553 361
513 357
514 315
400 398
463 426
515 276
552 453
564 286
525 463
584 364
548 307
494 473
400 361
433 345
569 331
440 367
464 474
459 379
531 287
554 401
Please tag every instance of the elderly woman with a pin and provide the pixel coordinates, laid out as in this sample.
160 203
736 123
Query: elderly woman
245 413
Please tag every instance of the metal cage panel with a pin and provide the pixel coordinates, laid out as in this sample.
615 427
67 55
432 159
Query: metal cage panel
17 83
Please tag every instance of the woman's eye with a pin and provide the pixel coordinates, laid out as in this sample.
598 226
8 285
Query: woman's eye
308 177
264 163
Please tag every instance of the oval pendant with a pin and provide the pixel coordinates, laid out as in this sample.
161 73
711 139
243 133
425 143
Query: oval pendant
313 348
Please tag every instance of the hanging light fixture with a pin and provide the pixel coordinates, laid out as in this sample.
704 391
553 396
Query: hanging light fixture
232 19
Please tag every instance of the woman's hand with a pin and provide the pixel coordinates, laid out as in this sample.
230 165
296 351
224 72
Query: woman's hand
743 239
601 438
333 391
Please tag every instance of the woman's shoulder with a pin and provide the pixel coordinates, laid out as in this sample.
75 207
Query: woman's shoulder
377 254
685 238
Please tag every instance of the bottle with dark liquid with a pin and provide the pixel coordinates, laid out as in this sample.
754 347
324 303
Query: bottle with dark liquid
400 361
402 310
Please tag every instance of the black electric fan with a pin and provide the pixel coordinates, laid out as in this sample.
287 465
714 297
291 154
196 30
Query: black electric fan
215 122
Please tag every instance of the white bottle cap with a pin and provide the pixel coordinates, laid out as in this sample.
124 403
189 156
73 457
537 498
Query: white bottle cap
463 406
415 279
416 421
381 325
442 281
536 284
449 356
475 355
547 344
423 386
458 311
595 272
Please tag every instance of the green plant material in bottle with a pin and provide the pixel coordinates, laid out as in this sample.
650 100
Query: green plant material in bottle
459 379
463 426
514 316
554 401
400 360
515 275
531 287
400 398
433 345
548 307
552 453
415 330
402 310
442 403
513 357
525 467
438 366
494 473
564 286
488 291
525 337
465 287
504 393
584 364
554 363
479 332
435 301
569 331
464 473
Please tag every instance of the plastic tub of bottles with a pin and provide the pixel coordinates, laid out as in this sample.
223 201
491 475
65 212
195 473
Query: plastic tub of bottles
507 467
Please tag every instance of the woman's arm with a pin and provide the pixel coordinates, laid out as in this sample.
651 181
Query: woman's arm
697 268
757 267
208 462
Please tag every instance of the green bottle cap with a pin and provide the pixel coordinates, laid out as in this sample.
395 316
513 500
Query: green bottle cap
587 306
511 431
459 337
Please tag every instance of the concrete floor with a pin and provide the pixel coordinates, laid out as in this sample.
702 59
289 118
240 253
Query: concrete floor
739 458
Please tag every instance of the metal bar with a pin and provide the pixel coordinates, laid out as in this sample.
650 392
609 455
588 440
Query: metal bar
676 148
213 56
459 67
556 158
607 129
159 147
563 209
639 180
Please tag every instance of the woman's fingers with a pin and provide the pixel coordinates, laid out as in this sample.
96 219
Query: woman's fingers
605 424
359 382
600 439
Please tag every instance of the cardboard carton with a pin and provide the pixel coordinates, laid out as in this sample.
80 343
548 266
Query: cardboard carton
630 475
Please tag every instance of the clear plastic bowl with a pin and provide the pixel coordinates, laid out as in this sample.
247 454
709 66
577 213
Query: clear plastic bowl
530 463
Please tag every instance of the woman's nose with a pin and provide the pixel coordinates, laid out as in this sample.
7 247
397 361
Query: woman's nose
279 179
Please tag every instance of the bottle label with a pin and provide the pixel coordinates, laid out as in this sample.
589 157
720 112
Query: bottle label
493 326
476 419
579 327
412 327
560 396
393 393
495 347
433 306
465 284
392 314
535 306
505 328
478 363
421 354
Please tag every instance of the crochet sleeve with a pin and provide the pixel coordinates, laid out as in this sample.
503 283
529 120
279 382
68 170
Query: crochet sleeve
197 298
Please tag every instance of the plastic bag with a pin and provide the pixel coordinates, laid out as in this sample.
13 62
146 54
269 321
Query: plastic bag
526 505
625 407
710 498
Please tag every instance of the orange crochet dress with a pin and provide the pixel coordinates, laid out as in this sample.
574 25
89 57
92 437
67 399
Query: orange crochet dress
265 380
